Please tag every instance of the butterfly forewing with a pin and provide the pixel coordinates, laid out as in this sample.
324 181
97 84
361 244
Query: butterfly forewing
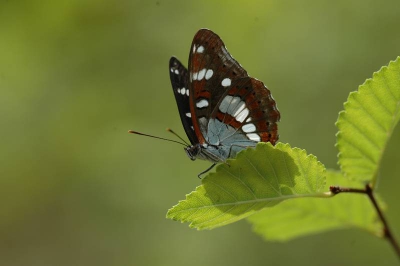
221 90
179 80
211 69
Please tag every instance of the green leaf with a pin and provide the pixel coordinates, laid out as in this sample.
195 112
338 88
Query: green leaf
295 218
367 122
256 179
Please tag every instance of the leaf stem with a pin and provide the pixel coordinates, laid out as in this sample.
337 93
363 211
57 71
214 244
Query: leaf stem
369 192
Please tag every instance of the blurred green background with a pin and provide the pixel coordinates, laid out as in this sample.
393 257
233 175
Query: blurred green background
75 76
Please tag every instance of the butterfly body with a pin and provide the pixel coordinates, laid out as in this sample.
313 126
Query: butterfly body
222 109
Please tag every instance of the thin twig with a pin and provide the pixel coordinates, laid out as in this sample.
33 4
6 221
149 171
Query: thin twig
337 190
368 191
387 232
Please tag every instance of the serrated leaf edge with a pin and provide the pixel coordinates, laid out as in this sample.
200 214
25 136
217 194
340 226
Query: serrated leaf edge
342 113
297 152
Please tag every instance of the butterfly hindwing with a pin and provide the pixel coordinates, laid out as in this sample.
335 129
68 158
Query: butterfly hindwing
179 80
249 107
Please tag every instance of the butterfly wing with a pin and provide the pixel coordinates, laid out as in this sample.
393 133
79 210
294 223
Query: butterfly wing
229 107
179 80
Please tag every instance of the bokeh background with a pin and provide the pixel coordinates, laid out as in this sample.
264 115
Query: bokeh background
75 76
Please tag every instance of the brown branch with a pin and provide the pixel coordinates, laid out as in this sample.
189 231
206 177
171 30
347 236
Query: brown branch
369 192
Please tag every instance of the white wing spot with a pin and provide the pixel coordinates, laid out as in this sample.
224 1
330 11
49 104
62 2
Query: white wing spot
172 69
254 136
187 92
242 115
209 74
226 82
223 107
183 91
201 74
248 119
200 49
194 48
188 114
239 108
195 74
192 127
176 71
202 103
248 128
233 106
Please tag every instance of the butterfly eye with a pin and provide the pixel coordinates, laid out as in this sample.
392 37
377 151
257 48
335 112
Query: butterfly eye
193 151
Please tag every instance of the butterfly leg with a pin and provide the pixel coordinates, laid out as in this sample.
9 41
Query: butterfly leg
235 145
208 169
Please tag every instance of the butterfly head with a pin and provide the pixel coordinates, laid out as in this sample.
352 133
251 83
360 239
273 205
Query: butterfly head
193 151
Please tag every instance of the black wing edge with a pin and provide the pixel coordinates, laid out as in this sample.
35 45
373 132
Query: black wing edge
179 81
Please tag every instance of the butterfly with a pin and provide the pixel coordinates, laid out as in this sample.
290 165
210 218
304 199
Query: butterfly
223 110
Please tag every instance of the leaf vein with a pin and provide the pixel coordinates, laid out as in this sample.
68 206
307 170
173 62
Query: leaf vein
223 189
361 132
364 155
244 184
369 114
262 176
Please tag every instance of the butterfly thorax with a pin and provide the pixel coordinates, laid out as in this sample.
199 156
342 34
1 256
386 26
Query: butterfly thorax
213 153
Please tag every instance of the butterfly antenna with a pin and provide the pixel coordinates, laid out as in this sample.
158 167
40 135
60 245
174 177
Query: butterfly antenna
151 136
179 137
